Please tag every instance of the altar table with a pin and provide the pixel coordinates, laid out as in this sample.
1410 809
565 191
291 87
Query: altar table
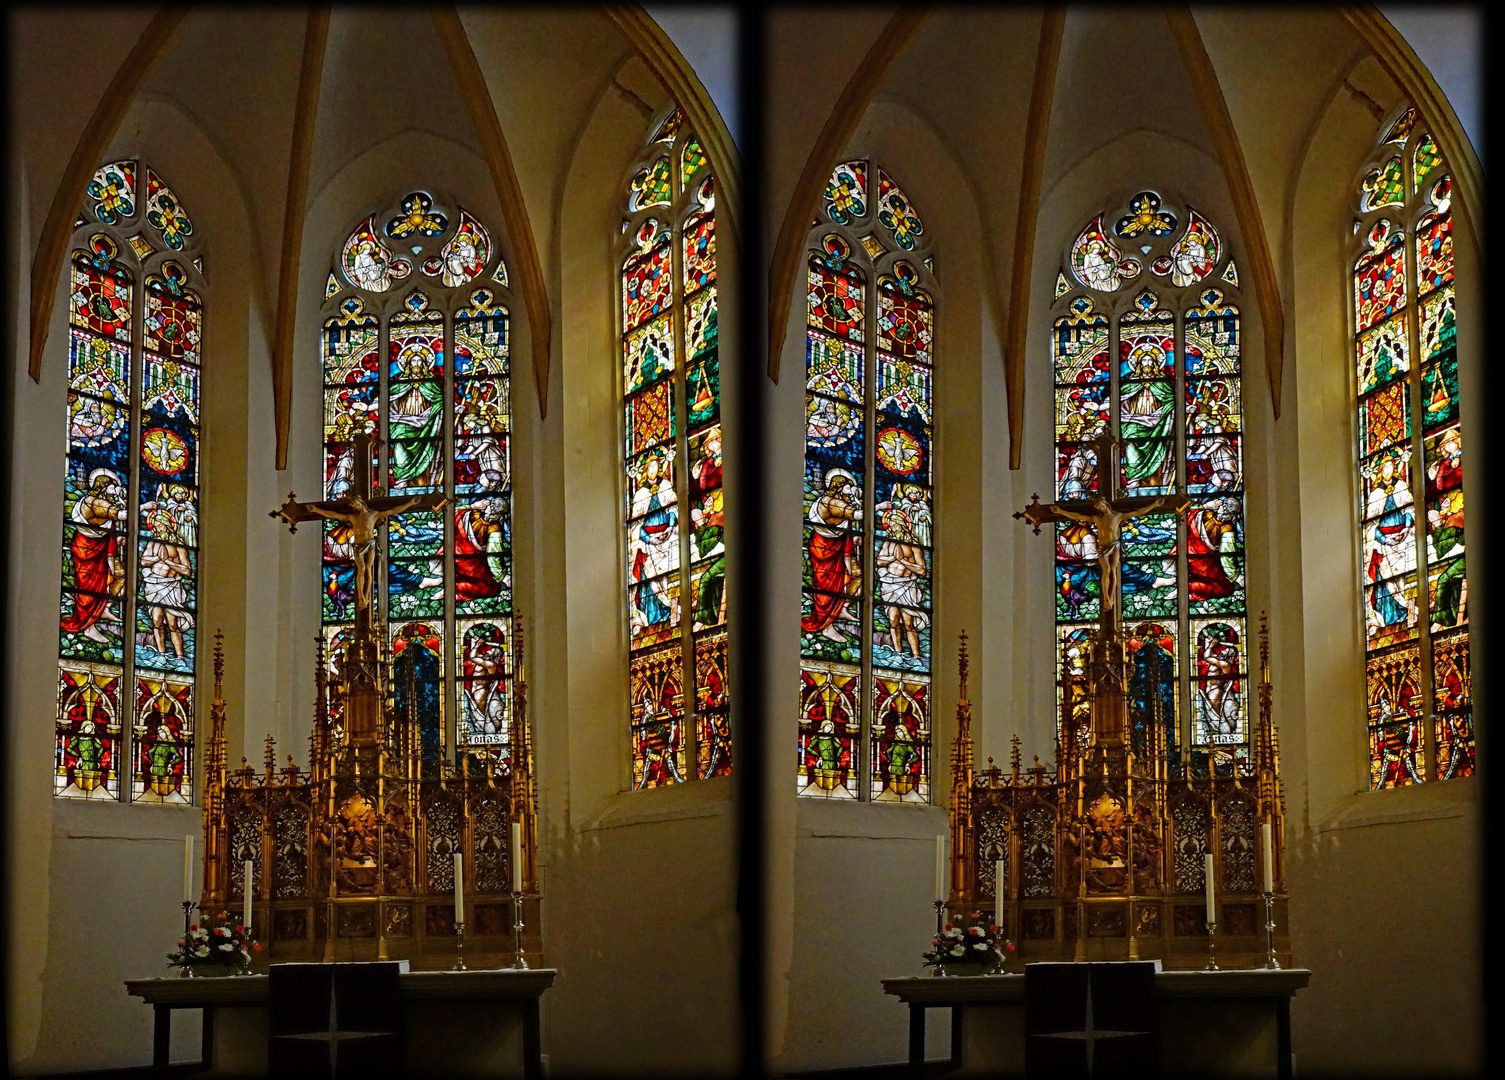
442 1036
1211 1022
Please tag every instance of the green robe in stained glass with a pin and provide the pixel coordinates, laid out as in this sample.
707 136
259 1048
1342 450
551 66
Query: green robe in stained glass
161 758
1142 458
410 460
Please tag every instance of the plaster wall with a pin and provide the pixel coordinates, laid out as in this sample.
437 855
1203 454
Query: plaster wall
88 865
640 910
861 874
1386 886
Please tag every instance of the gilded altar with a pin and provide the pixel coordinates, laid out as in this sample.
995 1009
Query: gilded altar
1103 856
353 859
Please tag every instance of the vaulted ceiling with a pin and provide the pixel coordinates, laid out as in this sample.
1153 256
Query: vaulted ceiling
1268 74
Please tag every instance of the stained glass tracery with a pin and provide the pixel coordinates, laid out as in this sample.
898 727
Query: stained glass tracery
1409 459
432 382
129 599
675 552
1172 396
866 612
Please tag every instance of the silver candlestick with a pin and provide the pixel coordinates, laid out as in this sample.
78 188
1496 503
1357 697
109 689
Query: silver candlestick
460 947
940 907
187 921
1212 936
1271 963
518 959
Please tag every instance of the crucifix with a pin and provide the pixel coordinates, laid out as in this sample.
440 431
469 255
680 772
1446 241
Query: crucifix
364 512
1106 515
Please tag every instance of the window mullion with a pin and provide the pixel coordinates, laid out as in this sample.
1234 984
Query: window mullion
449 733
125 770
1183 715
379 484
869 560
1415 445
689 733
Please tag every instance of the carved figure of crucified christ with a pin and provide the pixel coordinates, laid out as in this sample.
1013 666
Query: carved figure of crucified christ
1106 518
363 522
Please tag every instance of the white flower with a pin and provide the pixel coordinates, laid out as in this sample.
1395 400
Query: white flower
202 950
980 947
957 950
974 930
227 947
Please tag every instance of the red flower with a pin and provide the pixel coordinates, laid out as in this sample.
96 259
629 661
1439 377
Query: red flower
180 944
195 926
1011 946
257 948
240 929
948 926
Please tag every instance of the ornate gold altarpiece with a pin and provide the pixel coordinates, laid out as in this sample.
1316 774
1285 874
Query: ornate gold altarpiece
354 859
1146 820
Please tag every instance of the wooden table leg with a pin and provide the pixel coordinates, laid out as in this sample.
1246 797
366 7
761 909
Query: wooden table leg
1283 1038
916 1039
956 1036
161 1037
532 1041
206 1045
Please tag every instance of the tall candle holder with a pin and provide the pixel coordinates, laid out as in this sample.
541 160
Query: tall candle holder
1212 942
460 947
187 921
1271 963
940 906
518 959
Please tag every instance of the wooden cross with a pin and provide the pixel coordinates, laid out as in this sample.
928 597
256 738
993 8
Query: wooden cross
361 509
1105 514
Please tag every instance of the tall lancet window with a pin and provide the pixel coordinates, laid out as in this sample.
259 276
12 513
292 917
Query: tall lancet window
127 643
416 355
865 616
672 497
1153 359
1410 456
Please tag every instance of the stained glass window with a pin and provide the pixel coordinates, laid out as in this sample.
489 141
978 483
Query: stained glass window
1410 465
1173 399
866 611
425 370
675 552
127 645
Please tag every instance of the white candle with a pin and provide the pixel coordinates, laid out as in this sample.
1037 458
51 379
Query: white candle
1212 911
940 867
517 856
246 914
459 888
1269 859
188 869
998 888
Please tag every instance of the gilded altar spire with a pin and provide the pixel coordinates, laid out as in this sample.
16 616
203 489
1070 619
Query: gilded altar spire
962 777
214 781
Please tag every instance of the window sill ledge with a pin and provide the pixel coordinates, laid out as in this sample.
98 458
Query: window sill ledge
1423 802
679 802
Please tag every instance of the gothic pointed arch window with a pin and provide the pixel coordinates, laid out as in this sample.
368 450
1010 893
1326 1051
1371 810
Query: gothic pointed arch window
416 354
1410 458
127 650
1145 347
675 552
865 616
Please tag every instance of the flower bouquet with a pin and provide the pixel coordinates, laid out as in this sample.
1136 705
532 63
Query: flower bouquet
970 946
218 946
